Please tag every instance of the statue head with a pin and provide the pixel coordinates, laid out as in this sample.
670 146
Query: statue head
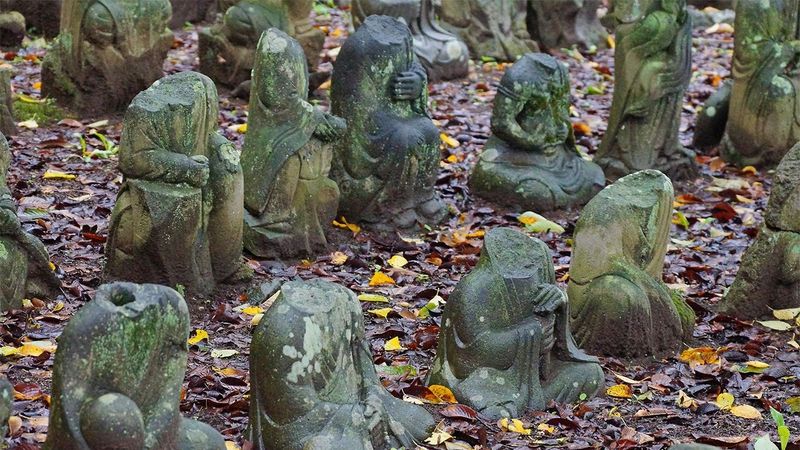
783 210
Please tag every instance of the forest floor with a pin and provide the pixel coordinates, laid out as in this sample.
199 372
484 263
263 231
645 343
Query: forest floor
653 403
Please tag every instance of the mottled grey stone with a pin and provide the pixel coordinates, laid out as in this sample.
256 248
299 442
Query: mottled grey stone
565 23
12 30
8 126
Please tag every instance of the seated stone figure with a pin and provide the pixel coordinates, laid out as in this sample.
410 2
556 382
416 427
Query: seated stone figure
118 374
8 125
288 197
178 216
313 384
620 306
444 55
769 276
107 51
505 344
531 161
387 162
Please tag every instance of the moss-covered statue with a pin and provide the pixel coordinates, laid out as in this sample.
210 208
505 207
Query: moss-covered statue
564 23
505 344
8 125
769 276
178 217
228 49
41 16
12 30
491 28
107 51
313 384
443 55
653 63
6 407
24 262
387 162
118 374
620 306
288 197
531 161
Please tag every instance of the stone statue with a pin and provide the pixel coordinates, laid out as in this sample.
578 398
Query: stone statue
444 56
6 407
620 306
178 217
559 24
107 51
769 275
228 49
12 30
491 28
118 374
42 16
8 125
191 11
531 161
289 199
386 163
712 119
505 344
653 63
24 262
313 383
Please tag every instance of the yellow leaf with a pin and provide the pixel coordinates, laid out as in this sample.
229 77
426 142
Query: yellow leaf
620 391
700 356
680 219
725 401
343 224
776 325
256 320
29 124
537 224
443 393
51 174
227 372
397 261
452 143
757 364
612 44
546 428
222 353
750 169
252 310
240 128
684 401
439 438
338 258
381 279
231 446
58 307
514 426
373 298
383 312
745 412
199 335
786 314
393 345
37 85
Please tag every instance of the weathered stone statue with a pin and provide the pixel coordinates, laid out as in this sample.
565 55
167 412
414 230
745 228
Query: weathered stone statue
564 23
8 125
387 162
6 405
653 65
769 276
712 119
289 199
42 16
24 262
505 344
118 373
444 56
12 30
491 28
191 11
313 384
619 304
531 162
107 51
227 50
178 216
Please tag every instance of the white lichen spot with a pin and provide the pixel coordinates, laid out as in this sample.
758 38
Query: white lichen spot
482 319
454 50
484 374
312 345
275 43
290 351
782 84
500 380
575 384
711 111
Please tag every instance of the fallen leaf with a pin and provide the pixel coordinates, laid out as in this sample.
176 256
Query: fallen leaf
51 174
397 261
382 313
546 428
373 298
438 438
199 335
776 325
745 412
342 223
29 124
393 345
700 356
725 401
252 310
338 258
786 314
536 223
442 393
620 391
381 279
514 426
450 142
459 412
222 353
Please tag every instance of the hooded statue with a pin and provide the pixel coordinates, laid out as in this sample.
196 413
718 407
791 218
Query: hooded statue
505 344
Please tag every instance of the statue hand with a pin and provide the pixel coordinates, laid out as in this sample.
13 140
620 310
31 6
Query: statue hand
330 127
407 86
199 172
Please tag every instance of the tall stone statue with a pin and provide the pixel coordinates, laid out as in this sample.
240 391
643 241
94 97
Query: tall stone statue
505 344
118 374
769 276
491 28
564 23
444 56
653 64
387 161
178 217
24 262
287 155
531 161
620 306
8 125
313 384
107 51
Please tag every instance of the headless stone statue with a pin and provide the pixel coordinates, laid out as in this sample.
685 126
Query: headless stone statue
620 306
287 156
178 216
564 23
653 65
6 407
8 125
118 374
769 276
313 383
12 30
444 56
41 16
531 161
107 51
387 162
505 344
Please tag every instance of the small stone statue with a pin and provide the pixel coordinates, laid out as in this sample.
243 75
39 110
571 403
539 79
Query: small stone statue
118 374
8 126
769 276
653 63
387 162
287 155
6 407
107 51
531 162
12 30
191 11
564 23
313 384
620 306
505 344
442 54
494 29
41 16
178 217
24 262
